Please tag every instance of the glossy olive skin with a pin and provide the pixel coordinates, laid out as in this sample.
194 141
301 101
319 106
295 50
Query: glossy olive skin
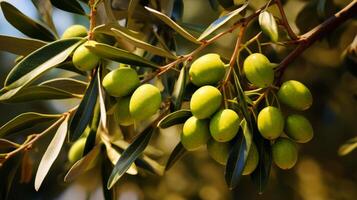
224 125
258 70
252 160
83 59
219 151
76 150
75 31
205 101
144 102
285 153
195 133
270 122
295 95
207 70
122 112
298 128
121 82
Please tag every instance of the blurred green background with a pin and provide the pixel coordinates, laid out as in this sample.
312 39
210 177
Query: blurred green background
320 173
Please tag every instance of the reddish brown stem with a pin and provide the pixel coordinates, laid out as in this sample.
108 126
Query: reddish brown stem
93 12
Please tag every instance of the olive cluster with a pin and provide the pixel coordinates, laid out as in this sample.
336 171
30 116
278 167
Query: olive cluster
210 124
270 121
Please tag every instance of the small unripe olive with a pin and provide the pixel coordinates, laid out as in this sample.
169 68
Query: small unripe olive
122 112
252 160
299 128
270 122
219 151
76 150
285 153
83 59
295 94
207 70
75 31
121 82
195 133
144 102
224 125
258 70
205 101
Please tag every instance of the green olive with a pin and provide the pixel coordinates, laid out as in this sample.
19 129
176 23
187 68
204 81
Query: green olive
195 133
285 153
145 102
83 59
219 151
75 31
270 122
122 112
258 70
252 160
207 70
205 101
76 150
299 128
224 125
295 94
121 82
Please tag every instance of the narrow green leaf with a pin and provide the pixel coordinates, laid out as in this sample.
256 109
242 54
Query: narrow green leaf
268 25
38 93
90 141
167 20
178 152
101 97
119 55
106 168
106 29
348 147
68 66
67 84
25 120
69 5
84 164
19 46
131 8
7 174
51 153
85 110
44 7
25 24
143 45
146 163
130 155
177 117
179 88
242 99
222 20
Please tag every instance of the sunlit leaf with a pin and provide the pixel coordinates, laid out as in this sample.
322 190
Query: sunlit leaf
222 20
177 117
179 88
130 155
25 120
173 25
143 45
106 29
118 55
85 110
348 147
268 25
51 153
67 84
178 152
69 5
25 24
242 99
19 46
44 8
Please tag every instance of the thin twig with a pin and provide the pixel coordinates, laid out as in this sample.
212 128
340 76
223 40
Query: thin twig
285 21
92 23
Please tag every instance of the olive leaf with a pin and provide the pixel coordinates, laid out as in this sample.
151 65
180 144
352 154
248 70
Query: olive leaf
348 147
268 25
19 46
145 162
85 110
106 29
44 8
93 129
25 120
131 8
177 117
143 45
238 156
25 24
69 5
222 20
106 168
130 155
178 152
179 88
103 111
51 153
119 55
8 173
173 25
241 97
71 85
